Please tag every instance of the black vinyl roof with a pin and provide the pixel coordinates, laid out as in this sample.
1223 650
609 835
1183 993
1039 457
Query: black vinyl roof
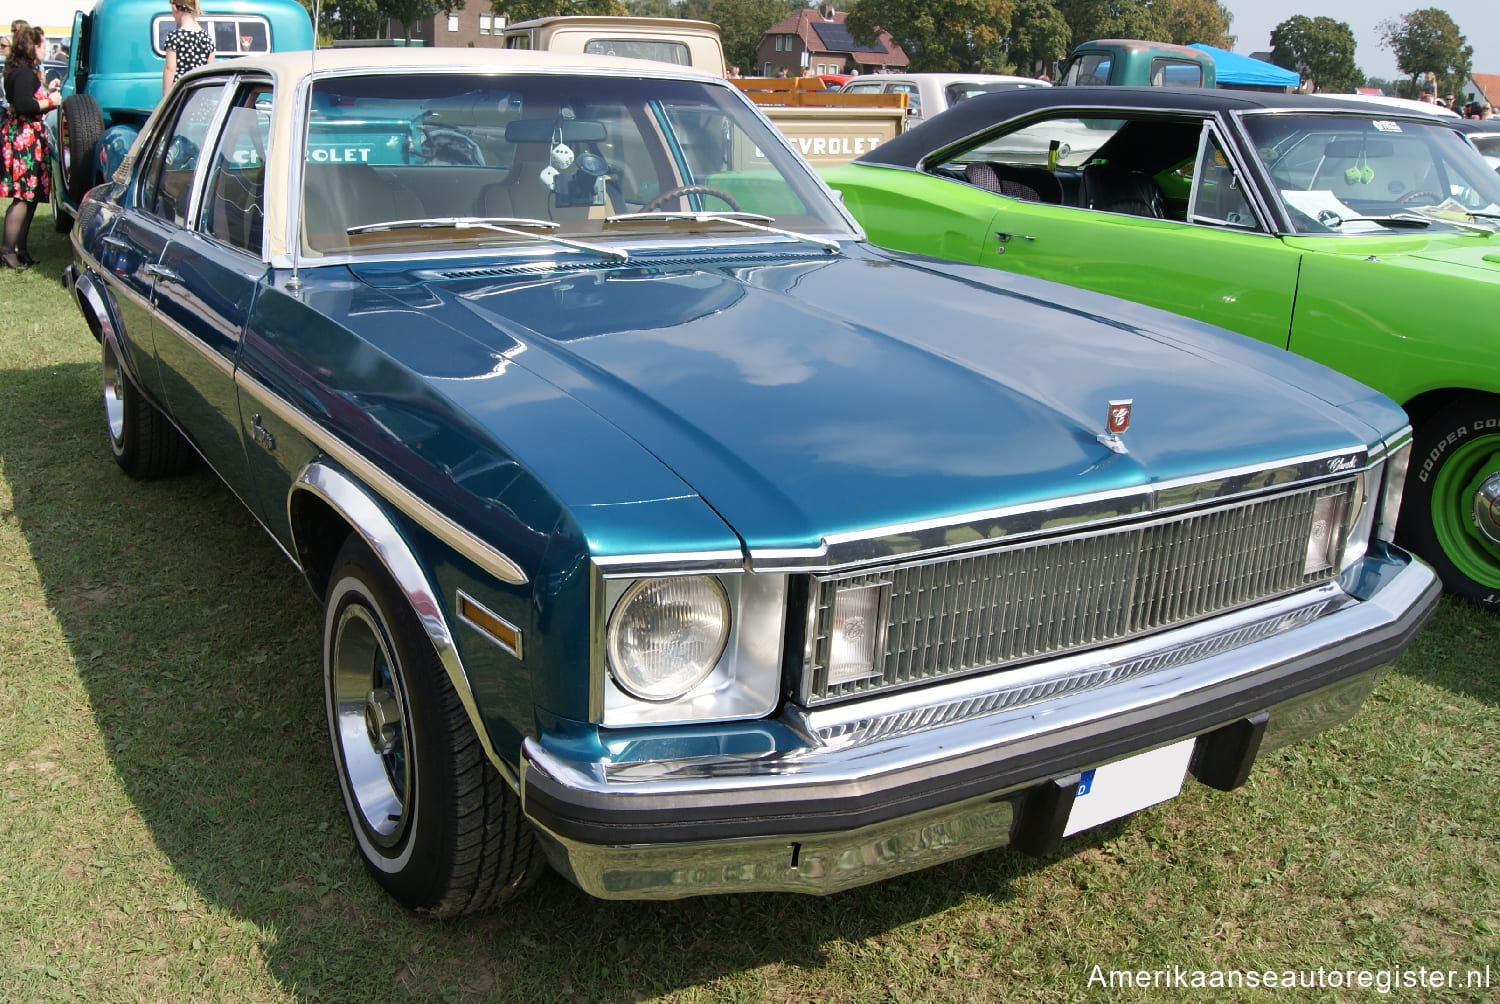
982 111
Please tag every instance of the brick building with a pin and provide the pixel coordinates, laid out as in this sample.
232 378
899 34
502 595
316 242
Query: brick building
474 27
818 41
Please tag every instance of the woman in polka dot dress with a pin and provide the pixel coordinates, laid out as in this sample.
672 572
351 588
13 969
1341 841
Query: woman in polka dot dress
187 46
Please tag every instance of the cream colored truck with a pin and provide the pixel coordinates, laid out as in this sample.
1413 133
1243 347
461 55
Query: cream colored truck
826 126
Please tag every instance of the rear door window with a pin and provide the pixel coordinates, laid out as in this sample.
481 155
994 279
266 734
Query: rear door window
168 177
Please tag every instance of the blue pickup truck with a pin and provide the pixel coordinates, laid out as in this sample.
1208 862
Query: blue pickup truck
114 74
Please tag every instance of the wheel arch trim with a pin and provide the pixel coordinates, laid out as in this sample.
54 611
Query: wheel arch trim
368 518
94 300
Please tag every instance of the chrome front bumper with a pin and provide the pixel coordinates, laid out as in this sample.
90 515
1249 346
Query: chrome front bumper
886 787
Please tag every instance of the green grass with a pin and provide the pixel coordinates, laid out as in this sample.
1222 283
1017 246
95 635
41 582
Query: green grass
171 829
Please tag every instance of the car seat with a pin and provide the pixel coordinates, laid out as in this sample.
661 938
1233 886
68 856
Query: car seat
1030 184
1112 189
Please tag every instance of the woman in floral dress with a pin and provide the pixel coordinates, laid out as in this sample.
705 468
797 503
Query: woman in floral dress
23 145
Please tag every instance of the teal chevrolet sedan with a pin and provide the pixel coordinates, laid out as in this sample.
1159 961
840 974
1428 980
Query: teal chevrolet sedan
669 532
1364 236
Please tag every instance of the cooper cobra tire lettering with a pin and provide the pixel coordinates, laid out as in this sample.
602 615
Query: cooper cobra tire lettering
1454 450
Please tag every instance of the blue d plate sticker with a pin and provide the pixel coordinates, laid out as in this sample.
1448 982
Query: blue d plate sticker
1125 786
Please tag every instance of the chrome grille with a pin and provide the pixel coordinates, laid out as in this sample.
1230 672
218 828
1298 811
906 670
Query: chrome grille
1011 605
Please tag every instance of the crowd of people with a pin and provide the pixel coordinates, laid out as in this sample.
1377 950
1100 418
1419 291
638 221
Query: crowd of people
1475 108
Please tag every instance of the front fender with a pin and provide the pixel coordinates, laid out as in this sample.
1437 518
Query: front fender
363 512
114 145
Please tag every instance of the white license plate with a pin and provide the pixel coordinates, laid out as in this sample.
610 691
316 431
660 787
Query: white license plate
1125 786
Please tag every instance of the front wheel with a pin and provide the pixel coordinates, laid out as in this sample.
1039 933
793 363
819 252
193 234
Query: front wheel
436 824
1451 508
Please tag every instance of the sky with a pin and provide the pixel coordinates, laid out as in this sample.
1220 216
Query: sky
1479 20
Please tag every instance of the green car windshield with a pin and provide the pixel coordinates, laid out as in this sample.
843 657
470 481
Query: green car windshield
599 158
1338 174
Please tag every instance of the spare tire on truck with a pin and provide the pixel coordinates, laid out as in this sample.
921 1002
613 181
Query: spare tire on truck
80 124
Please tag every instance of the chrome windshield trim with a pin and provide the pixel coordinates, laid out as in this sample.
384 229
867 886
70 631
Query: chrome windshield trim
392 491
543 256
1032 519
294 256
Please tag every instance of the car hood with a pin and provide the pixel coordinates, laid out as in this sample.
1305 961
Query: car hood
804 396
1436 252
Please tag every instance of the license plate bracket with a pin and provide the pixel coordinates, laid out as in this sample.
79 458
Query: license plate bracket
1125 786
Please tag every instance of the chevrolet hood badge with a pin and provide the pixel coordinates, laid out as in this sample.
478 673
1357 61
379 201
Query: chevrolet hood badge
1116 422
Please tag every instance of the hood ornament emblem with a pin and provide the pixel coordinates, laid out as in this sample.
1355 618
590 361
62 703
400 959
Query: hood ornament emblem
1116 422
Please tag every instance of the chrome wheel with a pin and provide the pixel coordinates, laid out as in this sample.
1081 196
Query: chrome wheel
1487 508
370 725
114 399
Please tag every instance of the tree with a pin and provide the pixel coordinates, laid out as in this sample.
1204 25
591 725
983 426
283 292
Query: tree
954 35
1319 48
351 19
1038 36
1384 86
1091 19
1190 21
651 8
1427 39
525 10
741 23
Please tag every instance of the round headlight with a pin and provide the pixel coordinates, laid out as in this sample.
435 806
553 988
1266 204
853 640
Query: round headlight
666 635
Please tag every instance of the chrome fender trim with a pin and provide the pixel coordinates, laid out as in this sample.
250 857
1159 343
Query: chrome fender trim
91 297
368 517
349 459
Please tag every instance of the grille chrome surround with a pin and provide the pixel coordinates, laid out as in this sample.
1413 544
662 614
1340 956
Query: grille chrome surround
1004 606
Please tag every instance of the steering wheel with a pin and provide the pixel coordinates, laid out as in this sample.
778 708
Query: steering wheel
1417 193
673 193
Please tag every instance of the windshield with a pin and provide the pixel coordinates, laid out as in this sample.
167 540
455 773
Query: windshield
1349 175
570 152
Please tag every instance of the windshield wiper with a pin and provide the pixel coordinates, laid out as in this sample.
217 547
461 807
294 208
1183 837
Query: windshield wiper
497 224
749 221
1473 228
1411 221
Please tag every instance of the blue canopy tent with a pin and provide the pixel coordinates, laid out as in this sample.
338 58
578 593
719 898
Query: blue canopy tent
1235 70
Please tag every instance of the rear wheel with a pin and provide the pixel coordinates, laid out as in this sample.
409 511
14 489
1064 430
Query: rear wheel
80 124
144 443
1451 509
435 822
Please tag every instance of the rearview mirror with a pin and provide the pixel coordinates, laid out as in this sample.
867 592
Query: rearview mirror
543 130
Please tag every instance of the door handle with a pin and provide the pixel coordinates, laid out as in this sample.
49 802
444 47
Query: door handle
1005 238
162 273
